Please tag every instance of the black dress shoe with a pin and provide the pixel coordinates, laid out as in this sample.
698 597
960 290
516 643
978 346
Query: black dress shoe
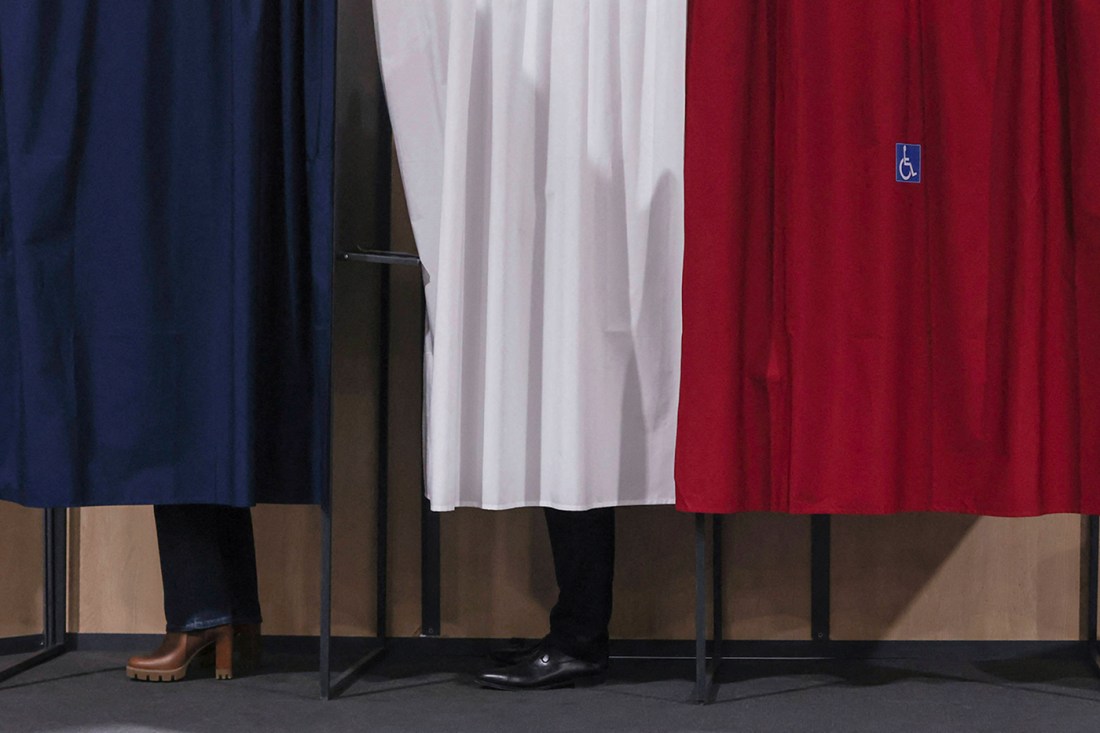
547 669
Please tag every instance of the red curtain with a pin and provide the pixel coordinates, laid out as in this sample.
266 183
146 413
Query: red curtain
856 343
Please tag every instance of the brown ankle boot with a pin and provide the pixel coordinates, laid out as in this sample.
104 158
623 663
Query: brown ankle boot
169 663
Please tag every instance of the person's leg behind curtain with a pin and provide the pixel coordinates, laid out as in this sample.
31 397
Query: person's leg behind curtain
583 545
211 598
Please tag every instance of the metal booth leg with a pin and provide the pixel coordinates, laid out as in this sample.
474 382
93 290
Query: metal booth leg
820 578
431 575
1093 583
706 668
54 601
329 688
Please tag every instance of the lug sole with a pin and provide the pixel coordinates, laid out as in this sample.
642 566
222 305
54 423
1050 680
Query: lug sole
159 675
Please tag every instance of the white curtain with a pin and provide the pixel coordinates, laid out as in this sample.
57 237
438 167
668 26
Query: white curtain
541 147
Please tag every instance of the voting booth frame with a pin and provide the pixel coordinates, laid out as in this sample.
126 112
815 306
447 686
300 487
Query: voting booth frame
708 657
709 649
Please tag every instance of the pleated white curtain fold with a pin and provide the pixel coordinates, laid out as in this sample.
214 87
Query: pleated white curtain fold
541 148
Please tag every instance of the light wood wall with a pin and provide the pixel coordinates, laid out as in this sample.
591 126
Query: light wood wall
957 577
930 577
904 577
20 570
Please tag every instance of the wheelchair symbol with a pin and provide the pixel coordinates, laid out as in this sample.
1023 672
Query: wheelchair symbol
908 170
905 167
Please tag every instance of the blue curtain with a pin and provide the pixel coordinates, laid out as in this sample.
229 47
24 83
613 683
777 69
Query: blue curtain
165 251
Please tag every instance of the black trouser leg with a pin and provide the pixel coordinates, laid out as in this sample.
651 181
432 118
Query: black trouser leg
583 544
207 565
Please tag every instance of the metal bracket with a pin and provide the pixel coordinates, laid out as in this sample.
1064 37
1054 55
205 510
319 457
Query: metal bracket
332 688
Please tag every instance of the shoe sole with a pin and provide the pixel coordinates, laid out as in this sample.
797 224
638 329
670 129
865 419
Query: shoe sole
149 675
171 675
591 680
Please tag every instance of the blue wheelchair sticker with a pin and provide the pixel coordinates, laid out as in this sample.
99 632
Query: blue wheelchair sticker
907 163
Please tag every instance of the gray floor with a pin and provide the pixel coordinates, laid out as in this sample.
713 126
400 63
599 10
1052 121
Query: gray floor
87 691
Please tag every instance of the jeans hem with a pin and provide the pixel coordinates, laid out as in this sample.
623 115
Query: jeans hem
211 623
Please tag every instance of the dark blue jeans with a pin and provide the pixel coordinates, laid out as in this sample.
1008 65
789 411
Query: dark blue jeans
207 565
583 544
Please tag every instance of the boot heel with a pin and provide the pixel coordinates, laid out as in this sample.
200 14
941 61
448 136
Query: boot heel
223 653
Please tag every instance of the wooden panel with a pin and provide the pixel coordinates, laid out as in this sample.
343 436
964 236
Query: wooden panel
654 574
499 577
20 570
907 577
115 584
767 563
498 574
956 577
